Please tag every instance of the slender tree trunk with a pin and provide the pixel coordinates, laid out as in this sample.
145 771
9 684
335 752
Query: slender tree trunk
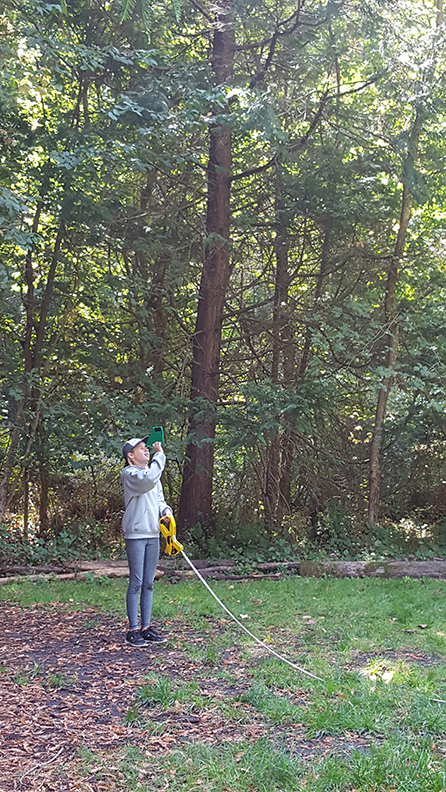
391 315
158 317
10 459
33 351
155 321
41 325
288 439
29 298
196 490
272 473
153 282
44 501
28 364
305 358
25 502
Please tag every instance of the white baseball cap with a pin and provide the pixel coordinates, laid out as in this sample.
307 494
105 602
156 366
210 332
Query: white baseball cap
130 445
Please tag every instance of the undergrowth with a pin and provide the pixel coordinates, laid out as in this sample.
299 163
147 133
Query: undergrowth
334 534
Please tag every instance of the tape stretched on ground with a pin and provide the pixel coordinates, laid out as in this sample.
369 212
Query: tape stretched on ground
240 624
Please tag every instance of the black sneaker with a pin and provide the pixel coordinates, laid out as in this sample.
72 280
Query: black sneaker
134 638
149 634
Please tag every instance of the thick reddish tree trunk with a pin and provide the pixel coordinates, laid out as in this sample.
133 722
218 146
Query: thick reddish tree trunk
196 491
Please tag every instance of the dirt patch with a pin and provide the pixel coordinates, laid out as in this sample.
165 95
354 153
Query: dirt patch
64 684
418 658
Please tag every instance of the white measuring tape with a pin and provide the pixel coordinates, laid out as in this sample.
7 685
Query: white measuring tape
234 618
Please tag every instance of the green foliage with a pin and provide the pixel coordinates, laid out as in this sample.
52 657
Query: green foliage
245 543
103 154
35 551
128 8
335 532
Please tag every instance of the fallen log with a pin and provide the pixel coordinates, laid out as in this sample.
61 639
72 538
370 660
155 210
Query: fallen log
252 576
279 565
28 569
4 581
91 566
110 572
180 574
208 568
202 563
435 568
432 568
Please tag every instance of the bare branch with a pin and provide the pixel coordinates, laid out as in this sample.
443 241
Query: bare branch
301 143
260 74
202 10
252 171
293 147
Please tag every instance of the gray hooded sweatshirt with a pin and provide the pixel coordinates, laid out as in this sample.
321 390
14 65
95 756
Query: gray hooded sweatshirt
144 498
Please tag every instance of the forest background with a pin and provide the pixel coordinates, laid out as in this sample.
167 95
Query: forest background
228 219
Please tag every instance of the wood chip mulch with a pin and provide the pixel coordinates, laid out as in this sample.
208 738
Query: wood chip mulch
67 681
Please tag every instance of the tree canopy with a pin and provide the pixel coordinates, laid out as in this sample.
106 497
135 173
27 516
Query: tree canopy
228 219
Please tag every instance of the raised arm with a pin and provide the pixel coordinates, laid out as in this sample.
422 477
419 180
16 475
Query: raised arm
137 481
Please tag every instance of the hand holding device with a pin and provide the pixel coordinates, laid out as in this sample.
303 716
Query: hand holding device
156 436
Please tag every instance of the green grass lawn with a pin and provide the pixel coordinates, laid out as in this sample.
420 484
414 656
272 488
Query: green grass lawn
376 721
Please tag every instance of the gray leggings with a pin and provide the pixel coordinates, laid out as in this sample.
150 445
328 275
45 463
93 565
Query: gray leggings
143 557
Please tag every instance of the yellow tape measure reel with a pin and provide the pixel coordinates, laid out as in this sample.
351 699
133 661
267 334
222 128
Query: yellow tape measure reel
168 528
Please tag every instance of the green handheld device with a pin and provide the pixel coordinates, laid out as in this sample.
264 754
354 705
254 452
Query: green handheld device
156 436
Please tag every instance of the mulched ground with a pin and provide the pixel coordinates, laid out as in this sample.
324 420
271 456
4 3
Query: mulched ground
68 680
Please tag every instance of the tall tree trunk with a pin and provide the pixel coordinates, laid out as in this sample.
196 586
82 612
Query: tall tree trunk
272 473
391 315
44 501
196 490
153 282
156 307
10 459
28 364
25 502
288 438
305 358
33 352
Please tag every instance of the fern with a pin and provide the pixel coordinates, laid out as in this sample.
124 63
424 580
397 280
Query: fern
146 12
127 8
176 9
